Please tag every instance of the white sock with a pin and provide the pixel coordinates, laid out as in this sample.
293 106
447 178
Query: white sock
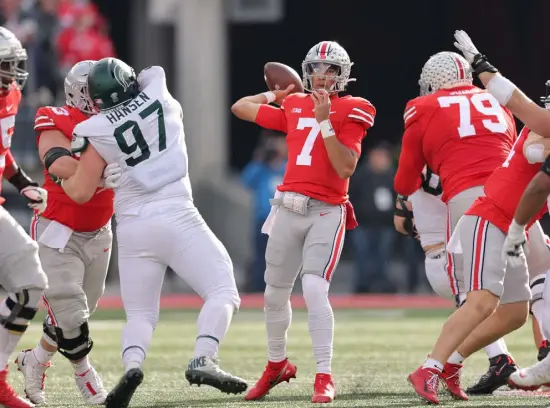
456 358
278 315
213 323
136 339
42 355
320 320
431 363
82 367
497 348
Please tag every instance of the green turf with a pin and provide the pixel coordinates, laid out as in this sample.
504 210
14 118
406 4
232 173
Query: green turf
374 352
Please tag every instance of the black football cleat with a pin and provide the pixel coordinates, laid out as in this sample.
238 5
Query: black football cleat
500 368
544 349
121 395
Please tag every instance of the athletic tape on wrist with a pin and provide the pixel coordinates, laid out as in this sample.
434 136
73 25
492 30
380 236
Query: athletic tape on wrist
326 128
501 88
270 96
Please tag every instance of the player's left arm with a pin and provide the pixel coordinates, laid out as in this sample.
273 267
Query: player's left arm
505 91
82 186
534 196
343 148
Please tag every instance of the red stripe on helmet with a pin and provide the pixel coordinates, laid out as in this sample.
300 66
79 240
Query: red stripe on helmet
461 71
323 50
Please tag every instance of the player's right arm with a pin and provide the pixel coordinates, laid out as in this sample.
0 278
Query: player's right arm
248 108
54 148
411 160
536 148
507 93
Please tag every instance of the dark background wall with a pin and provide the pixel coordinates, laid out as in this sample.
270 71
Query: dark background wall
388 41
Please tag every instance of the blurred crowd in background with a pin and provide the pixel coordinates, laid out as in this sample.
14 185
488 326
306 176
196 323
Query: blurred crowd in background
59 33
56 34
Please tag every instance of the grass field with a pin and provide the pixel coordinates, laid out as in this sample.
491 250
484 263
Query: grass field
374 352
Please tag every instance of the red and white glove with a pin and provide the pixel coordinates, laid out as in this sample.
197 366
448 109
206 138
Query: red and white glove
37 197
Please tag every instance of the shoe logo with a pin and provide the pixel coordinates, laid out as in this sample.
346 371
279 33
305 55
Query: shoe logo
8 107
522 375
275 381
106 249
499 371
324 213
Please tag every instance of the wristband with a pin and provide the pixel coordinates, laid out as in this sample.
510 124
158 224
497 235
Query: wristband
501 88
481 65
326 129
270 96
20 180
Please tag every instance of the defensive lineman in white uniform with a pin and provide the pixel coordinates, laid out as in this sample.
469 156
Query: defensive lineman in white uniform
140 127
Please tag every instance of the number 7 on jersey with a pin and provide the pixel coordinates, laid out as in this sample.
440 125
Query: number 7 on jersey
304 158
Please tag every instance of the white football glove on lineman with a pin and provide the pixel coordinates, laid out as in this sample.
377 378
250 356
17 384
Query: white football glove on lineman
465 45
111 176
514 250
37 197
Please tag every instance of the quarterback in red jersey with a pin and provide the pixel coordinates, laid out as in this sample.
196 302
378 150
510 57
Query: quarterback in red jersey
21 274
74 247
310 211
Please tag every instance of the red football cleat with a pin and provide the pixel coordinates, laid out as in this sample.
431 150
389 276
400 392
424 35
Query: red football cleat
8 396
274 373
451 381
323 389
425 382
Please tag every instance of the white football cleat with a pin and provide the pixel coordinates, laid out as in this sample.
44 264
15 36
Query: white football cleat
531 378
91 387
34 374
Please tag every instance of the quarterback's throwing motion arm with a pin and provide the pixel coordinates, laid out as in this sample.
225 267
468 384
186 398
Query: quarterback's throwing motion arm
82 186
533 116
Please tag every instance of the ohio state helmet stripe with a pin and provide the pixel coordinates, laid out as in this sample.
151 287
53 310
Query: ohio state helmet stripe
461 73
324 49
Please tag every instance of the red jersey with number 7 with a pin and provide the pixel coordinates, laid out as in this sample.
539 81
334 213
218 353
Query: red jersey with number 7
463 134
309 170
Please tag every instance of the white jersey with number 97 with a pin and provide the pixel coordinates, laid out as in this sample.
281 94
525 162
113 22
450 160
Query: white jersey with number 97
146 138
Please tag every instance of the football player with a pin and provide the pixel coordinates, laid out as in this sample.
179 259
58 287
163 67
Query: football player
311 210
21 273
462 133
74 247
139 126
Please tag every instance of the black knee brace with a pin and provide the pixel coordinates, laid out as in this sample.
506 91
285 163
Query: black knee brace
76 348
18 310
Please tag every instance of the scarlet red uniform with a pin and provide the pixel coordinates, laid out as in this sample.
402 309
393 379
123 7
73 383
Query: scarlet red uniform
462 134
9 106
504 188
87 217
309 170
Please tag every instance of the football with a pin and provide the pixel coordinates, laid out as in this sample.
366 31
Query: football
279 76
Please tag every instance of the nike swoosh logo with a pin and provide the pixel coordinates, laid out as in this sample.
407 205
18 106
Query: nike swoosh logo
8 108
324 213
274 382
499 371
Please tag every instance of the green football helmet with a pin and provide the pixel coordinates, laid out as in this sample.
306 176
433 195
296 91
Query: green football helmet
111 83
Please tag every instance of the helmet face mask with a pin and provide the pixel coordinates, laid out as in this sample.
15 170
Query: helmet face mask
444 69
76 87
328 66
13 60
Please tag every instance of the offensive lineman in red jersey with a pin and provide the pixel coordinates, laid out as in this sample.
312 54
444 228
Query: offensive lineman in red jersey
20 272
74 248
310 210
463 134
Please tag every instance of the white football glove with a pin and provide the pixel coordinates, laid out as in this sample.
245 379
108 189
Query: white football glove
514 250
465 45
38 198
111 176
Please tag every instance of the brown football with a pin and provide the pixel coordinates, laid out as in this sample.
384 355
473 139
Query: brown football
279 76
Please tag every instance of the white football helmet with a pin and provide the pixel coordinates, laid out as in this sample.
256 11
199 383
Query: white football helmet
323 56
444 69
13 60
76 87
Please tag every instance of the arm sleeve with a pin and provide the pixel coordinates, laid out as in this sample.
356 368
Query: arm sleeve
273 118
411 160
43 120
